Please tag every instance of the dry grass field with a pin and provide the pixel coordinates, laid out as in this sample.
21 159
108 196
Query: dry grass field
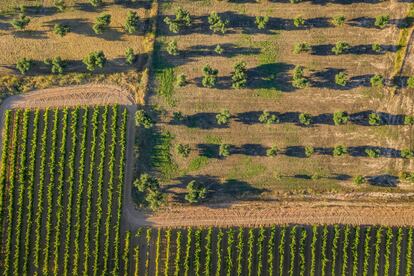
270 61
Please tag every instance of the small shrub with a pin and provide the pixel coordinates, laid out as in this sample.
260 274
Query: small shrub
182 19
95 3
341 79
181 80
172 47
376 48
407 153
372 153
340 48
143 119
305 119
183 150
261 22
340 118
132 22
239 76
301 47
316 176
359 179
61 30
57 64
338 20
409 120
377 81
217 25
298 79
224 150
102 23
130 56
374 119
60 5
272 151
24 65
340 150
267 118
410 82
209 76
381 21
309 150
223 117
219 50
298 21
95 60
21 22
196 192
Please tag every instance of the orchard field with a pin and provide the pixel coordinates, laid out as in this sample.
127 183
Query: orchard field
62 179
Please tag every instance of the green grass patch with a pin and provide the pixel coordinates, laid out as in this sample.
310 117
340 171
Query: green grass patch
166 80
268 93
161 154
197 163
246 169
212 139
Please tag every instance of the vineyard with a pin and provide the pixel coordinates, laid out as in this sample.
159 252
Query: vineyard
276 250
61 182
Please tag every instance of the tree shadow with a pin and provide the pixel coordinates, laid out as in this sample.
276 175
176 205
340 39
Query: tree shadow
144 4
38 11
363 49
343 2
249 149
87 7
230 50
359 151
31 34
271 75
326 79
383 180
203 120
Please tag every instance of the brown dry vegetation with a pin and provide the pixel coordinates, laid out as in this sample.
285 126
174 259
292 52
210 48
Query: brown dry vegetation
270 60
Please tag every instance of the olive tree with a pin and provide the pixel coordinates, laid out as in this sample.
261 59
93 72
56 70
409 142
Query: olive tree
377 81
151 188
102 23
143 119
309 150
21 22
410 82
381 21
95 3
239 75
24 65
267 118
132 22
183 150
272 151
359 179
305 119
195 192
209 76
374 119
61 29
223 117
172 47
95 60
340 118
181 80
60 5
261 22
130 56
339 150
57 65
409 120
338 20
373 153
340 48
182 19
219 50
301 47
407 153
298 21
217 25
376 48
298 79
341 79
224 150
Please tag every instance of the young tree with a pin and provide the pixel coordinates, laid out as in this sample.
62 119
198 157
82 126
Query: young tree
309 150
196 192
209 76
298 21
268 119
182 19
409 120
272 151
340 118
57 65
24 65
172 47
143 119
376 48
21 22
359 179
224 150
95 3
223 117
374 119
130 56
217 25
305 119
407 153
340 150
151 188
261 22
340 48
377 81
181 80
239 76
155 199
338 20
61 30
60 5
95 60
298 79
341 79
381 21
132 22
410 82
373 153
301 47
183 150
146 182
219 50
102 23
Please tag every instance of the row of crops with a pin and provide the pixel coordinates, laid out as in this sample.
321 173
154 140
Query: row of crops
276 250
61 184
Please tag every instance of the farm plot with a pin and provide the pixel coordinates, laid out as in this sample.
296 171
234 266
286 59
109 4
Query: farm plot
276 250
281 97
61 182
